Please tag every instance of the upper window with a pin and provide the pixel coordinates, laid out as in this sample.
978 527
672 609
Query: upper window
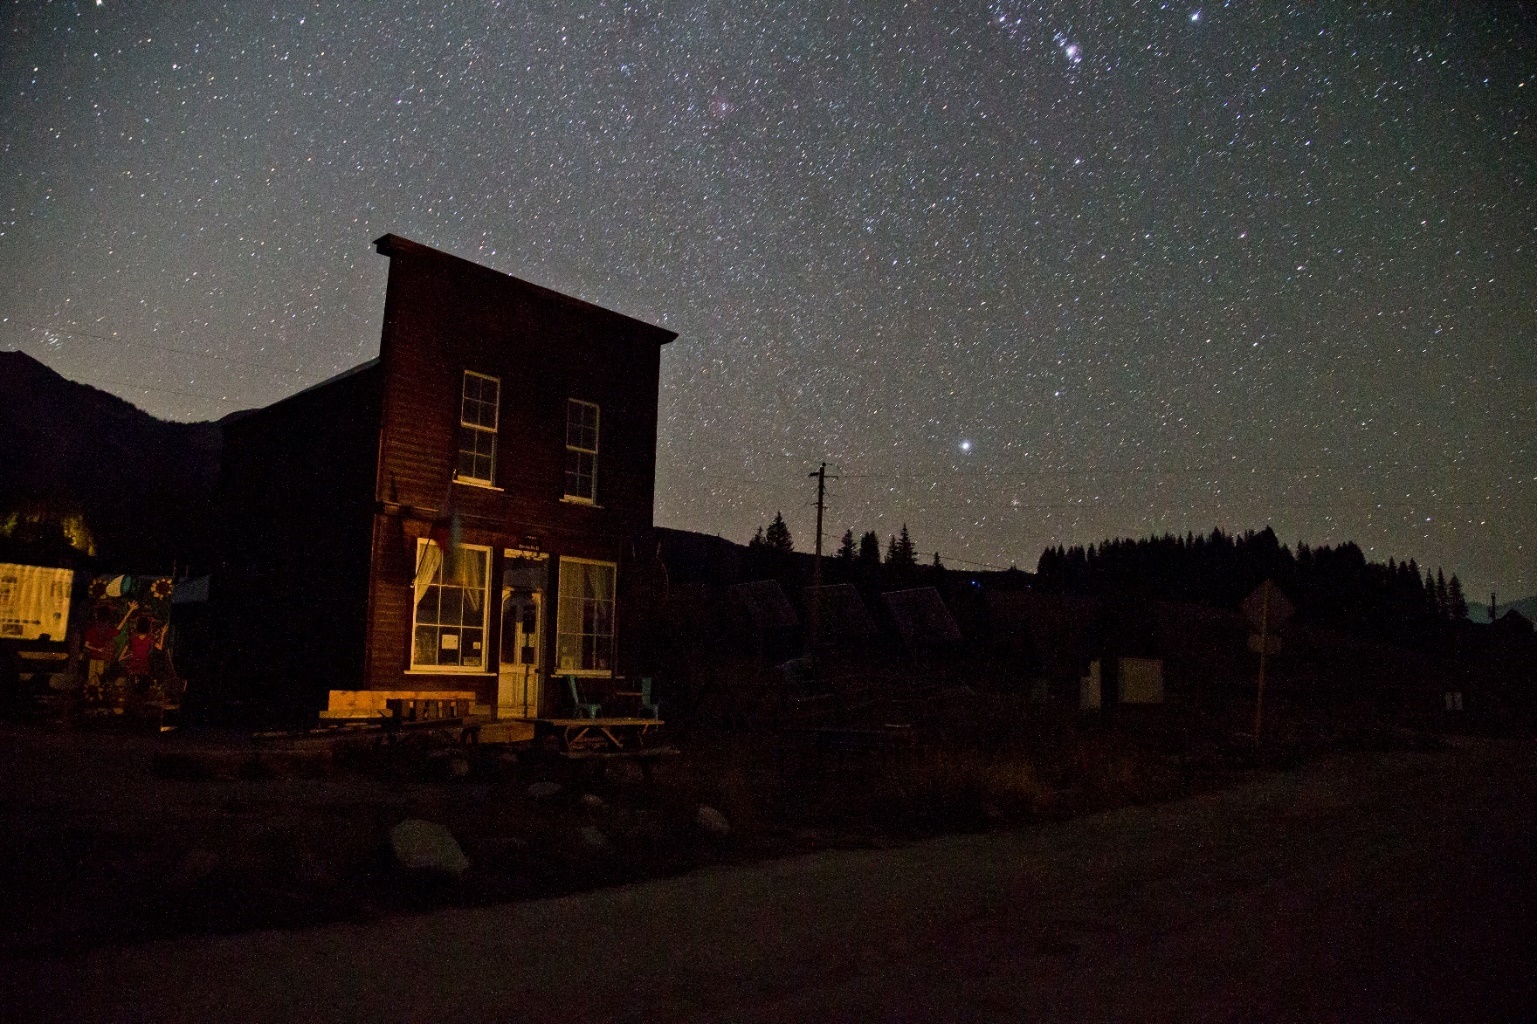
449 622
478 404
581 450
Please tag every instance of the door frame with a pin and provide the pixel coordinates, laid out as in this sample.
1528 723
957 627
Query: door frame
541 594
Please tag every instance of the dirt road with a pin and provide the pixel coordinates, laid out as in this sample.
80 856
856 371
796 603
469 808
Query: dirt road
1364 887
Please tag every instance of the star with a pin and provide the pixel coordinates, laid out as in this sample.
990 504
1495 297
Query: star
861 229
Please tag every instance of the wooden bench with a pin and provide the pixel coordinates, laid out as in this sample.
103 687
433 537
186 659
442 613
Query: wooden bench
889 742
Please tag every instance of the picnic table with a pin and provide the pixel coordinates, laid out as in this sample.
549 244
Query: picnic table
891 741
577 736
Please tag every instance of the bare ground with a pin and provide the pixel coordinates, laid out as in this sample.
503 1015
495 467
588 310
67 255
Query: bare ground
1363 886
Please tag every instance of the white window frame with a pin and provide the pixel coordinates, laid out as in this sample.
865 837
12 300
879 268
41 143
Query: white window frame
485 614
476 428
577 451
563 606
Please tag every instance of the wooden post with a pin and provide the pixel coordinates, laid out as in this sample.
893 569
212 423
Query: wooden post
1264 645
816 568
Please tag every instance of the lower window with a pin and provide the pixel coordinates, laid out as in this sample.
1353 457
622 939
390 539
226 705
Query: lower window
448 626
584 639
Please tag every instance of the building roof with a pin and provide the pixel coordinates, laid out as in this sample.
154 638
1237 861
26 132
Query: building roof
395 245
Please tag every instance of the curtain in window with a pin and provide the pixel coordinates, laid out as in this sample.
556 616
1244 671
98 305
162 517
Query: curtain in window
429 558
467 569
585 627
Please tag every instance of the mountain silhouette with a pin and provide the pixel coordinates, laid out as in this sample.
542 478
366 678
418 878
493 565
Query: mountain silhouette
142 485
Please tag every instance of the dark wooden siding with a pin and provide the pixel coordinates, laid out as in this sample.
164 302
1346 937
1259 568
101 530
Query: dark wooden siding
296 510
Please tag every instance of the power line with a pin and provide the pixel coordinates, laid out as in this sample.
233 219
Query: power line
1025 476
163 348
145 387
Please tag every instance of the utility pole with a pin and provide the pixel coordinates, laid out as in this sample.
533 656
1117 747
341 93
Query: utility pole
816 564
1264 644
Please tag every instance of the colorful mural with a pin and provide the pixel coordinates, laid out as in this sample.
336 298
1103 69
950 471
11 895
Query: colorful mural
124 641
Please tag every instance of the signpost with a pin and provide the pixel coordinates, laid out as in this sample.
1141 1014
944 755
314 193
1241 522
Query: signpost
1267 607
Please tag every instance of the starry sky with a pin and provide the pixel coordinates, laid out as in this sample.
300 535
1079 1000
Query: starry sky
1023 273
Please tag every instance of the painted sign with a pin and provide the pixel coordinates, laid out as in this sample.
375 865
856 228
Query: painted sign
34 602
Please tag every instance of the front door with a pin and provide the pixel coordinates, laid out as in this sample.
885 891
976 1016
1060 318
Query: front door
518 675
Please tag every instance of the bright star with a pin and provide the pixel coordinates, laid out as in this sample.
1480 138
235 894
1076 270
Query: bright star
1070 50
966 446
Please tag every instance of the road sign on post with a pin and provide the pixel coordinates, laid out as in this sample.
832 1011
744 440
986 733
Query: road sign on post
1266 609
1267 600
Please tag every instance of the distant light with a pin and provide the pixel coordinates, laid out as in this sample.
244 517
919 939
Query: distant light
966 446
1195 15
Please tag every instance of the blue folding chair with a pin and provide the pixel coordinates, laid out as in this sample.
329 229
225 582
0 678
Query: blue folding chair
648 707
580 709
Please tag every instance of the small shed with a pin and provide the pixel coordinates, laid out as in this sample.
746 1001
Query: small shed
842 618
1140 680
921 617
765 618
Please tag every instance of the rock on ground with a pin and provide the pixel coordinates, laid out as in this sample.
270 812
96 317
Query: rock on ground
712 822
427 846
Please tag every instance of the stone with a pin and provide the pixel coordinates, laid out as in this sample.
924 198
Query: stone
427 846
593 837
712 822
544 790
458 767
592 802
194 868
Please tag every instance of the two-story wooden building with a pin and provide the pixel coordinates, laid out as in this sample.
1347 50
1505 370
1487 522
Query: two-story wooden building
460 515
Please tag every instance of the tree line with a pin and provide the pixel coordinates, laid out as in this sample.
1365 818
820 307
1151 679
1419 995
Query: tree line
861 562
1334 586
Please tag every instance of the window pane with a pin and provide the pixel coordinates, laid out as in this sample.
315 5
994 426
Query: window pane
427 607
477 454
467 567
467 465
481 396
579 475
426 649
452 607
480 414
568 652
448 647
470 647
581 425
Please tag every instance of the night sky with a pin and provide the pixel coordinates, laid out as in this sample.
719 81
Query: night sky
1024 273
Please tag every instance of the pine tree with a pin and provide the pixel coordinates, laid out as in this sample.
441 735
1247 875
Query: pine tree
940 565
778 535
1443 599
757 543
846 549
869 550
900 553
1459 603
